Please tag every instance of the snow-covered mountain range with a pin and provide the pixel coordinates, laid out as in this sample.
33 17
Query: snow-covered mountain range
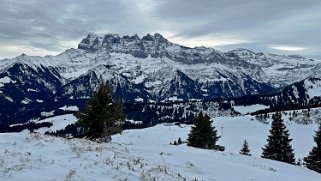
147 69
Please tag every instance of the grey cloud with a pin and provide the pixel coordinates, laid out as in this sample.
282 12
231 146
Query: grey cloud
46 24
228 15
295 22
43 21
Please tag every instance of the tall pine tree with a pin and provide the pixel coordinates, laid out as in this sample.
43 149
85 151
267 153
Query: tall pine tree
278 145
203 134
313 160
102 116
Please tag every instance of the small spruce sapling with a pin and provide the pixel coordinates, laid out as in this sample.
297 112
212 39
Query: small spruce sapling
179 141
175 143
245 150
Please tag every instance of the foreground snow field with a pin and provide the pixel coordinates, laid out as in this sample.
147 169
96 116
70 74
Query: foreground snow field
146 154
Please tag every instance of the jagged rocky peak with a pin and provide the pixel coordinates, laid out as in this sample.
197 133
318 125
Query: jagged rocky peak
93 41
154 45
158 37
115 38
127 38
111 38
148 37
88 42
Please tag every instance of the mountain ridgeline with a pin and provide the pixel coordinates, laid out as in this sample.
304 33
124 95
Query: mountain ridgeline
152 71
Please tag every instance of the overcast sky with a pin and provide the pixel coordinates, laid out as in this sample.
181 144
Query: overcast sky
41 27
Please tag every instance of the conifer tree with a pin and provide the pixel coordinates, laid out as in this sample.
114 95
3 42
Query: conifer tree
102 116
245 150
313 160
175 143
278 145
203 134
179 141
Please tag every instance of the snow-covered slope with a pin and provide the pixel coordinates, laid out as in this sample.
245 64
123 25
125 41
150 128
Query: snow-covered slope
146 154
59 122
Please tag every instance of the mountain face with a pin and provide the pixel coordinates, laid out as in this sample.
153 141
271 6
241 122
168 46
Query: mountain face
307 91
281 70
299 95
147 69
